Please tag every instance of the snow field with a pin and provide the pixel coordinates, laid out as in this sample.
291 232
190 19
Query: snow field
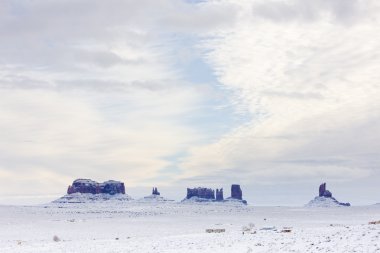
175 227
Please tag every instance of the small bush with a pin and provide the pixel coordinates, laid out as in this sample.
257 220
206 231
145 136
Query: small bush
56 238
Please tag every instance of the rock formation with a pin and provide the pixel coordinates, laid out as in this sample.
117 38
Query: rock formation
201 192
155 191
89 191
89 186
155 197
236 192
325 199
219 194
323 192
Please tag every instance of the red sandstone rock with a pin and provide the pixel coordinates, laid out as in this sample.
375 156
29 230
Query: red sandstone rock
90 186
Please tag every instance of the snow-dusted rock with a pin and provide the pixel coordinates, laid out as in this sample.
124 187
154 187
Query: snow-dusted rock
201 193
236 192
155 191
92 198
89 191
233 200
325 202
325 199
230 201
90 186
207 195
219 194
154 198
196 199
323 192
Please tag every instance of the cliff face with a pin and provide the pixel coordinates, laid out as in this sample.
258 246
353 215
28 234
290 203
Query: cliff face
219 195
236 192
323 192
155 191
89 186
200 192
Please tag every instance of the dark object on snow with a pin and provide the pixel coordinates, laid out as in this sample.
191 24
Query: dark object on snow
89 186
219 194
286 230
56 238
215 230
155 191
200 192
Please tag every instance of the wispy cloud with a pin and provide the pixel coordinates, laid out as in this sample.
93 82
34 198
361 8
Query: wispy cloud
305 71
145 90
91 89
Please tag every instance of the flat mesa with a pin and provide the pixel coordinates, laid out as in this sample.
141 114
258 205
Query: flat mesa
87 191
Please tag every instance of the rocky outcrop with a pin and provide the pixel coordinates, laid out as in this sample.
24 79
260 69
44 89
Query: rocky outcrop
154 197
325 199
323 192
236 192
201 192
219 194
89 198
89 186
155 191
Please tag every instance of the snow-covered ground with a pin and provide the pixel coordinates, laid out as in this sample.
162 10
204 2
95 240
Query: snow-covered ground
135 226
325 202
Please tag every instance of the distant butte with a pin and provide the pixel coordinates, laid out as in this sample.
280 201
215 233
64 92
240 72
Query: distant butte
202 194
89 186
325 199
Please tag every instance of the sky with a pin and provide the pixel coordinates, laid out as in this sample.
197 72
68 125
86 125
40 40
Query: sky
275 95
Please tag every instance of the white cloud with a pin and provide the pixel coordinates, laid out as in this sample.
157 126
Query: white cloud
123 136
310 88
90 89
340 11
93 89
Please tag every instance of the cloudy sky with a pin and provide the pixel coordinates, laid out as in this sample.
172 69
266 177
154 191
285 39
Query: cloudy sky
276 95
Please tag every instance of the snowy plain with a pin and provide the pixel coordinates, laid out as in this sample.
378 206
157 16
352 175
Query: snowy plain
143 226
